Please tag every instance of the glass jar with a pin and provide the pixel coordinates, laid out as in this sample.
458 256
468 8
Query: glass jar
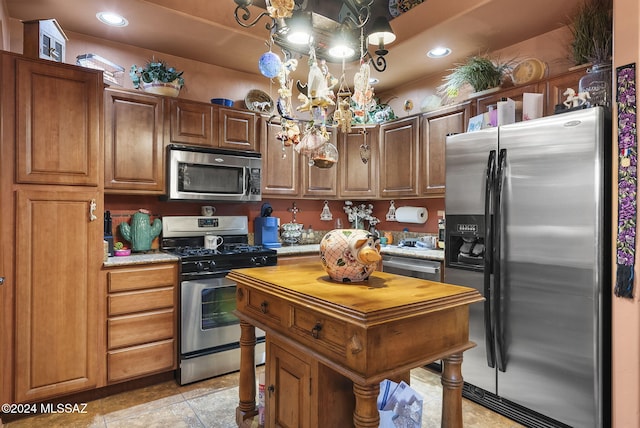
326 156
597 82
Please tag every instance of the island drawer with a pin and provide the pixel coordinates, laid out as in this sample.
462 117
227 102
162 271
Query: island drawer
268 308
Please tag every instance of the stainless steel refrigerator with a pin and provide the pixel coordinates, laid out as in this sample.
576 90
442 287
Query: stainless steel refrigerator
528 225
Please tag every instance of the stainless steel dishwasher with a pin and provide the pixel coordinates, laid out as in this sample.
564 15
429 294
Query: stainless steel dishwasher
411 266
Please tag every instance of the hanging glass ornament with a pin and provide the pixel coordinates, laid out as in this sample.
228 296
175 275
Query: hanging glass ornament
312 140
269 64
326 156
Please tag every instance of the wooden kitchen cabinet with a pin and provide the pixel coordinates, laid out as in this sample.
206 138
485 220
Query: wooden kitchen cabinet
237 129
134 143
52 135
319 182
141 320
303 393
434 128
280 165
357 178
515 93
56 294
58 123
191 122
556 86
399 158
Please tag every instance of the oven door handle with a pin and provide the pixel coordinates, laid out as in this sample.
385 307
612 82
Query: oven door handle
207 282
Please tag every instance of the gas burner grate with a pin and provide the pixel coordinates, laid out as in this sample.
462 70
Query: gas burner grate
194 251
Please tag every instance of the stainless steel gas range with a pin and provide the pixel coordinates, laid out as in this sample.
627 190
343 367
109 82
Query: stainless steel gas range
209 332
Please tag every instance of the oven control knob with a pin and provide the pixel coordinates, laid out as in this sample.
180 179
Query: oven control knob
199 267
212 264
259 261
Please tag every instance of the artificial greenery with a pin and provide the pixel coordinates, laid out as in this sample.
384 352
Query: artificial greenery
154 71
478 71
592 29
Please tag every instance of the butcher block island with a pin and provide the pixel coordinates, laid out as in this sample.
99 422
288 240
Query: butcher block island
330 344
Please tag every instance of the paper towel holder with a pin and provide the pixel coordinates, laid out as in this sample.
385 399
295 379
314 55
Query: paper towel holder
406 214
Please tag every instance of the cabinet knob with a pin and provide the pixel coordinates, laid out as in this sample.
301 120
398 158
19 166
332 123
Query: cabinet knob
1 280
264 307
315 331
271 389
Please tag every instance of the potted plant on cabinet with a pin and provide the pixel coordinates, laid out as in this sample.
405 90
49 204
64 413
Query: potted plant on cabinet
480 72
157 77
592 29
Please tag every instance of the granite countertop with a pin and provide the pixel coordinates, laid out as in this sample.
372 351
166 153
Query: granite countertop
416 252
138 259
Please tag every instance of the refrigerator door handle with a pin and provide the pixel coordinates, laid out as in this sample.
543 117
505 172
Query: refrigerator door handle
501 357
488 259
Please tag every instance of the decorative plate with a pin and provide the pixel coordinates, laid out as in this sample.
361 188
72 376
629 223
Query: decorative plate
259 101
529 70
397 7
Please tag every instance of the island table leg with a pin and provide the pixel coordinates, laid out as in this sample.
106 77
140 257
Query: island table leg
452 391
247 383
366 413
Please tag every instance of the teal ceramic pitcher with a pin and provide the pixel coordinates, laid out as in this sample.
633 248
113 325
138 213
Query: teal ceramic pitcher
141 232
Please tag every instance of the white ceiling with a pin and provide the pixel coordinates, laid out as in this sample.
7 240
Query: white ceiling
206 31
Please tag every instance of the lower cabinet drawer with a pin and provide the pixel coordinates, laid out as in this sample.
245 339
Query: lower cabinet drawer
139 301
141 360
138 329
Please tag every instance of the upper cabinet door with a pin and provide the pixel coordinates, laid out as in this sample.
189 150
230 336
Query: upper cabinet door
358 179
556 87
192 123
319 182
434 130
58 123
237 129
399 158
133 143
280 164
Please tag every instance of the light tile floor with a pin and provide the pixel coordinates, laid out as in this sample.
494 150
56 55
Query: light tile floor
211 404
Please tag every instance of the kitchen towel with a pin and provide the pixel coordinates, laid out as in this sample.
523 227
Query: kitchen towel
627 180
411 214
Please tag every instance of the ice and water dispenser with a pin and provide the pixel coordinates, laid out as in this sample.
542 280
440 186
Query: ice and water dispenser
465 241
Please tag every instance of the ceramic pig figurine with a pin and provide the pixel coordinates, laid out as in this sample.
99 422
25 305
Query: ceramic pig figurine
349 255
141 233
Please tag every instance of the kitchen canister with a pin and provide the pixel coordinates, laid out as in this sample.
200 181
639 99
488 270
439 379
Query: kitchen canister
412 214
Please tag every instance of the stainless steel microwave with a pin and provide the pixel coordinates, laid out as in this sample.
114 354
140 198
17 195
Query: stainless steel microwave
206 174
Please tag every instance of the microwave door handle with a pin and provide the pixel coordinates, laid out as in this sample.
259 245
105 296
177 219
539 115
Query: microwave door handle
247 177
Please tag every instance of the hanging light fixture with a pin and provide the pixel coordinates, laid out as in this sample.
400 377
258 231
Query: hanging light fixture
299 29
325 31
381 34
295 24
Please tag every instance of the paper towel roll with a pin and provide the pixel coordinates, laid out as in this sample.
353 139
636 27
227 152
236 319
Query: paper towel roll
412 214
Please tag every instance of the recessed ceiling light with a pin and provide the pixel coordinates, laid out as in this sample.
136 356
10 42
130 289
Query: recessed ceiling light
112 19
438 52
